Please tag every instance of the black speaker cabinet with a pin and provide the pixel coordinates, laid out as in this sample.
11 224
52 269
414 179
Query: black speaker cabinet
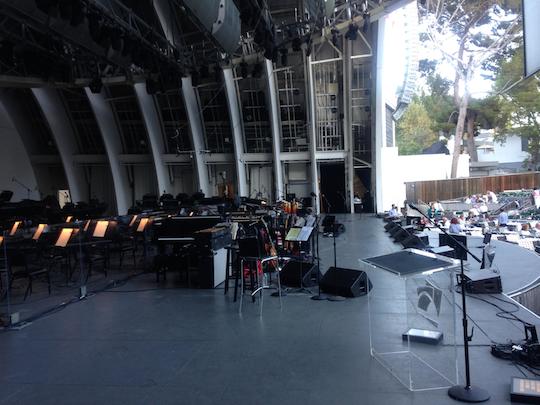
297 273
482 282
400 235
413 241
345 282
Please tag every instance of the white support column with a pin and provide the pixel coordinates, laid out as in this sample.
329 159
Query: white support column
276 128
113 148
62 131
380 117
236 124
313 140
347 120
197 134
153 129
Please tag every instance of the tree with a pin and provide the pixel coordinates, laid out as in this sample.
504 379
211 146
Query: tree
414 130
468 34
520 106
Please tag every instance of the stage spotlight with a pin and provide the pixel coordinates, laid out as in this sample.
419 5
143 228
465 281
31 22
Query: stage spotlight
217 73
152 85
194 78
244 70
365 24
257 70
96 85
335 37
77 15
116 39
94 26
284 53
48 6
296 44
204 71
352 32
65 8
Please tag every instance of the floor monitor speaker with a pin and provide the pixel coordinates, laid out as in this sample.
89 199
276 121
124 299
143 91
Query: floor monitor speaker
297 274
345 282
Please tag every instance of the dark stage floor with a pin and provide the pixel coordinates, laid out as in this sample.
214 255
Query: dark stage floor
140 344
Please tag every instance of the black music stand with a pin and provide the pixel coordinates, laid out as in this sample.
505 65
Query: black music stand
467 392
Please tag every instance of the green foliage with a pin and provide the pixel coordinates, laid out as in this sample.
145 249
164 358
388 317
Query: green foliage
414 131
520 105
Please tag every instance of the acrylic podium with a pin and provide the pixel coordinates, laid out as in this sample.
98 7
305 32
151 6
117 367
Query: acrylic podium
412 317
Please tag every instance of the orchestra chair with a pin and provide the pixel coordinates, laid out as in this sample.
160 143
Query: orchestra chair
232 269
250 252
26 264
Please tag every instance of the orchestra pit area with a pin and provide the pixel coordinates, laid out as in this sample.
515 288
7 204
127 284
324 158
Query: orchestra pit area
158 307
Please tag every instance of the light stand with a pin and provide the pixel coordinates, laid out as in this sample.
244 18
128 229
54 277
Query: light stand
467 392
28 189
319 296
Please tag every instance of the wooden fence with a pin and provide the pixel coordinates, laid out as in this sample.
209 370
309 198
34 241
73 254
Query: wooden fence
456 188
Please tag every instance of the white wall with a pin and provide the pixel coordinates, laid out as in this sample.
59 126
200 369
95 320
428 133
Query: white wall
508 152
401 169
14 161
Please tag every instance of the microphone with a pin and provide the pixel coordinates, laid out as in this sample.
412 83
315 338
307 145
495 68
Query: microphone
414 207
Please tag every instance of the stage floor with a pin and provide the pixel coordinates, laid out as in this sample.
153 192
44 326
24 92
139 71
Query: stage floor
142 344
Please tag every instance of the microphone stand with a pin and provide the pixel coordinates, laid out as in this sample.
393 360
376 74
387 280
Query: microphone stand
467 392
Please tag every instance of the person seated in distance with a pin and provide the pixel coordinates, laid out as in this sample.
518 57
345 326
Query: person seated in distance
455 226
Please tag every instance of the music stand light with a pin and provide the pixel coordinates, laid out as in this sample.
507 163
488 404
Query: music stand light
100 229
39 231
63 238
133 219
142 224
14 228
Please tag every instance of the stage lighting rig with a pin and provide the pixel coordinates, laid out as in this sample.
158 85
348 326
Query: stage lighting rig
352 32
244 70
96 84
257 70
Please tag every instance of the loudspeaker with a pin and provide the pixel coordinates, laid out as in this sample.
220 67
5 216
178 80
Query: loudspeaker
390 225
482 282
297 273
345 282
400 235
414 242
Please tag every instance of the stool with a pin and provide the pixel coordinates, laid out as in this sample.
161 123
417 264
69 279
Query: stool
260 286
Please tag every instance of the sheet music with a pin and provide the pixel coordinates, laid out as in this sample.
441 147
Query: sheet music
305 233
310 220
293 233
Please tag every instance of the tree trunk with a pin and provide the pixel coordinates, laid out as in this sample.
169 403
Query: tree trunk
471 145
463 104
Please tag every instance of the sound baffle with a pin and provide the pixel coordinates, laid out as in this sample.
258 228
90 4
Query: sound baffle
297 274
345 282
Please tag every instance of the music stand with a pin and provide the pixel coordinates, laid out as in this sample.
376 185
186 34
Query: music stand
467 392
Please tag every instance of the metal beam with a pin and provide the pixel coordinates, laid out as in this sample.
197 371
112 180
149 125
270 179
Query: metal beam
153 129
197 134
113 147
62 131
236 127
275 125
